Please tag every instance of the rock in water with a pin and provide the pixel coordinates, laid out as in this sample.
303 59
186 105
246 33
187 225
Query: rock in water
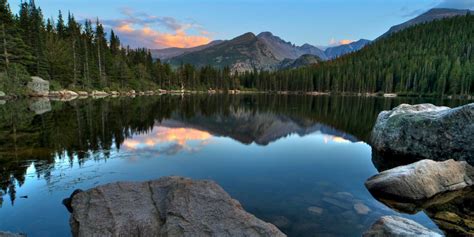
170 206
421 180
38 87
394 226
426 131
9 234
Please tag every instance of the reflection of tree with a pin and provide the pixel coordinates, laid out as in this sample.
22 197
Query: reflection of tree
80 128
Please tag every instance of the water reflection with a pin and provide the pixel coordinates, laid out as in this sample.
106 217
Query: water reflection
298 161
169 141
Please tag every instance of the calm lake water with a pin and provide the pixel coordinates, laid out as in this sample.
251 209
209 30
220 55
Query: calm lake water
299 162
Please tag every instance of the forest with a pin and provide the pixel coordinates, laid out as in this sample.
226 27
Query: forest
429 59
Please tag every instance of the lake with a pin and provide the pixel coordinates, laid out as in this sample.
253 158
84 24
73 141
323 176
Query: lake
299 162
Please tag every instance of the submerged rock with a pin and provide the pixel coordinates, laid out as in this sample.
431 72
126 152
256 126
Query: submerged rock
38 87
315 210
361 208
421 180
170 206
455 216
9 234
426 131
395 226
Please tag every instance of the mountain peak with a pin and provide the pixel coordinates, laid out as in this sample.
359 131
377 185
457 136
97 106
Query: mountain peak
265 34
244 37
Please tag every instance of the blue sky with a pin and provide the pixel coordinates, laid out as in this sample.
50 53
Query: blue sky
187 23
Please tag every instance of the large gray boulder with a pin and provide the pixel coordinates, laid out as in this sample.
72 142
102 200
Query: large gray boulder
421 180
170 206
395 226
38 87
426 131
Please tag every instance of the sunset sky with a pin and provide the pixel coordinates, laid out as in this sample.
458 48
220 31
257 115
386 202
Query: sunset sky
188 23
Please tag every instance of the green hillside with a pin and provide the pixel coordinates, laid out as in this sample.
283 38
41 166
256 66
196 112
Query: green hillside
432 58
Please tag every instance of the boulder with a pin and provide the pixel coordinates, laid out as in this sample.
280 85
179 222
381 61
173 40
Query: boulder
421 180
2 94
170 206
38 87
425 131
395 226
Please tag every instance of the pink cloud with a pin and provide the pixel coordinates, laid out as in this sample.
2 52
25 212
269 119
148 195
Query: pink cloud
139 29
334 42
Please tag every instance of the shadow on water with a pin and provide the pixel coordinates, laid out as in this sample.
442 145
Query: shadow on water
40 133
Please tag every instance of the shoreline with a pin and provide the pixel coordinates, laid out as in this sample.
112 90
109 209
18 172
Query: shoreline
68 95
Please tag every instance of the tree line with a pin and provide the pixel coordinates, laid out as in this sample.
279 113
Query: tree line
83 56
434 58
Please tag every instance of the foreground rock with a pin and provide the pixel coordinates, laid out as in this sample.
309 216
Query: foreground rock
38 87
421 180
394 226
426 131
170 206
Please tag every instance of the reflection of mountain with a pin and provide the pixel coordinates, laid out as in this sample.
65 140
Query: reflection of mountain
248 127
79 129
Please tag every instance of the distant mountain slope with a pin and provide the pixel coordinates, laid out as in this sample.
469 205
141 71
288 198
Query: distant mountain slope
436 58
431 15
337 51
283 50
304 60
243 53
174 51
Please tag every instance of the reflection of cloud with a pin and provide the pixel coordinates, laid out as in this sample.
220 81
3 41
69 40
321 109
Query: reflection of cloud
169 141
334 139
143 30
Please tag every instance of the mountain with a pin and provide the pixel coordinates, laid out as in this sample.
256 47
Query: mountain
167 53
261 128
283 50
304 60
337 51
248 52
431 15
243 53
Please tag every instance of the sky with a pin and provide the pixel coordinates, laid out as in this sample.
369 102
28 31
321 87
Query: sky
189 23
